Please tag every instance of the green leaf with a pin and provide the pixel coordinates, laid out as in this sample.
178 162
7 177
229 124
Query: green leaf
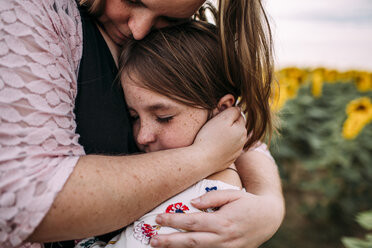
365 219
356 243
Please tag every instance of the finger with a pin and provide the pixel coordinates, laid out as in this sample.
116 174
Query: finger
239 116
241 120
216 198
188 239
243 115
231 114
196 222
241 123
241 111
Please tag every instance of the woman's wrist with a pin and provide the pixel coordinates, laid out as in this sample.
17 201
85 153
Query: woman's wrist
207 161
200 157
275 210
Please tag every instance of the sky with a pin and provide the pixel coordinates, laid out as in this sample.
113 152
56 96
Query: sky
331 33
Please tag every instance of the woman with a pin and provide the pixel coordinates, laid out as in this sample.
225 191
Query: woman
51 190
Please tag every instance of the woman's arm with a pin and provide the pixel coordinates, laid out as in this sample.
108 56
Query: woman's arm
260 177
259 173
106 193
244 220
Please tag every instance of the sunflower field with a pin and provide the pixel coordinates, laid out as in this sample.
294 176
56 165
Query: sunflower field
324 154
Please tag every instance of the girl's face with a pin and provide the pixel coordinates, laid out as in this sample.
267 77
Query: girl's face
123 19
159 122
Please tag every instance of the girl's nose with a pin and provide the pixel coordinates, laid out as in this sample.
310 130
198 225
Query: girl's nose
146 134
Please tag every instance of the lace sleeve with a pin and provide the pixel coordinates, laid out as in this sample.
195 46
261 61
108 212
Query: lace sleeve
40 50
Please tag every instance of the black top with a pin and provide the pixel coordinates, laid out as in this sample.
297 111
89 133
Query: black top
102 116
101 113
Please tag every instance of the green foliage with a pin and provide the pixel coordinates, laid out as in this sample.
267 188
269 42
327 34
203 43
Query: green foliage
365 220
329 177
339 171
358 243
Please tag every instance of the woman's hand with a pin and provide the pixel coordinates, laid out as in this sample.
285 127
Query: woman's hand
220 141
244 220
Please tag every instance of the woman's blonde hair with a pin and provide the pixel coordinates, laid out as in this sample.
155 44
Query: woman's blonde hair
247 50
185 63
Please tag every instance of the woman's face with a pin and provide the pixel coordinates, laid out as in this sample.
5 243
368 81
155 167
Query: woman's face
159 122
124 19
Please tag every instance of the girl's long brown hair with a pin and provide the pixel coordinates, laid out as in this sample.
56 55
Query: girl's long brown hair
186 64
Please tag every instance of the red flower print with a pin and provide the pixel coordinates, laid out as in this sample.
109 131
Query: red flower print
144 232
177 208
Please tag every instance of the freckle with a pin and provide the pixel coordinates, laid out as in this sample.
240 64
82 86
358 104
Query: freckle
179 169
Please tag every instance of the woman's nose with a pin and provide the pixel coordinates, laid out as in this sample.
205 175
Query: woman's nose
140 24
146 134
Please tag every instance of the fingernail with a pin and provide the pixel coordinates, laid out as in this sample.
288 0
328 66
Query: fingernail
154 242
245 118
159 219
195 201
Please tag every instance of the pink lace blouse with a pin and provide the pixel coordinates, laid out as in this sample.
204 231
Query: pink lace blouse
40 51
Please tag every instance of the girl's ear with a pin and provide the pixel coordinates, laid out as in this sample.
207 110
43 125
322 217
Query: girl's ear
225 102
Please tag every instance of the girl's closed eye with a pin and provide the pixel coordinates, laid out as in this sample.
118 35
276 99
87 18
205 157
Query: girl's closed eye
164 119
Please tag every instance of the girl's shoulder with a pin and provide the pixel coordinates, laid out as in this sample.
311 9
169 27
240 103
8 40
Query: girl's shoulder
228 176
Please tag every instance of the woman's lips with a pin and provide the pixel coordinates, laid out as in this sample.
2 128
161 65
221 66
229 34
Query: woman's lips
121 36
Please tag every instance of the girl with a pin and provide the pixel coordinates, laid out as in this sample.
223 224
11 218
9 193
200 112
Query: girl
174 81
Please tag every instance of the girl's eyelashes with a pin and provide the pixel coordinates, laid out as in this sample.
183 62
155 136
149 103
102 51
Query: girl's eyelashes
166 119
159 119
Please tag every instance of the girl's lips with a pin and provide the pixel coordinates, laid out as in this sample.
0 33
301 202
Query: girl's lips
147 149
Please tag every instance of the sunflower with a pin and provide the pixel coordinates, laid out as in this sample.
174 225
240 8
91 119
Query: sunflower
317 85
359 114
363 81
